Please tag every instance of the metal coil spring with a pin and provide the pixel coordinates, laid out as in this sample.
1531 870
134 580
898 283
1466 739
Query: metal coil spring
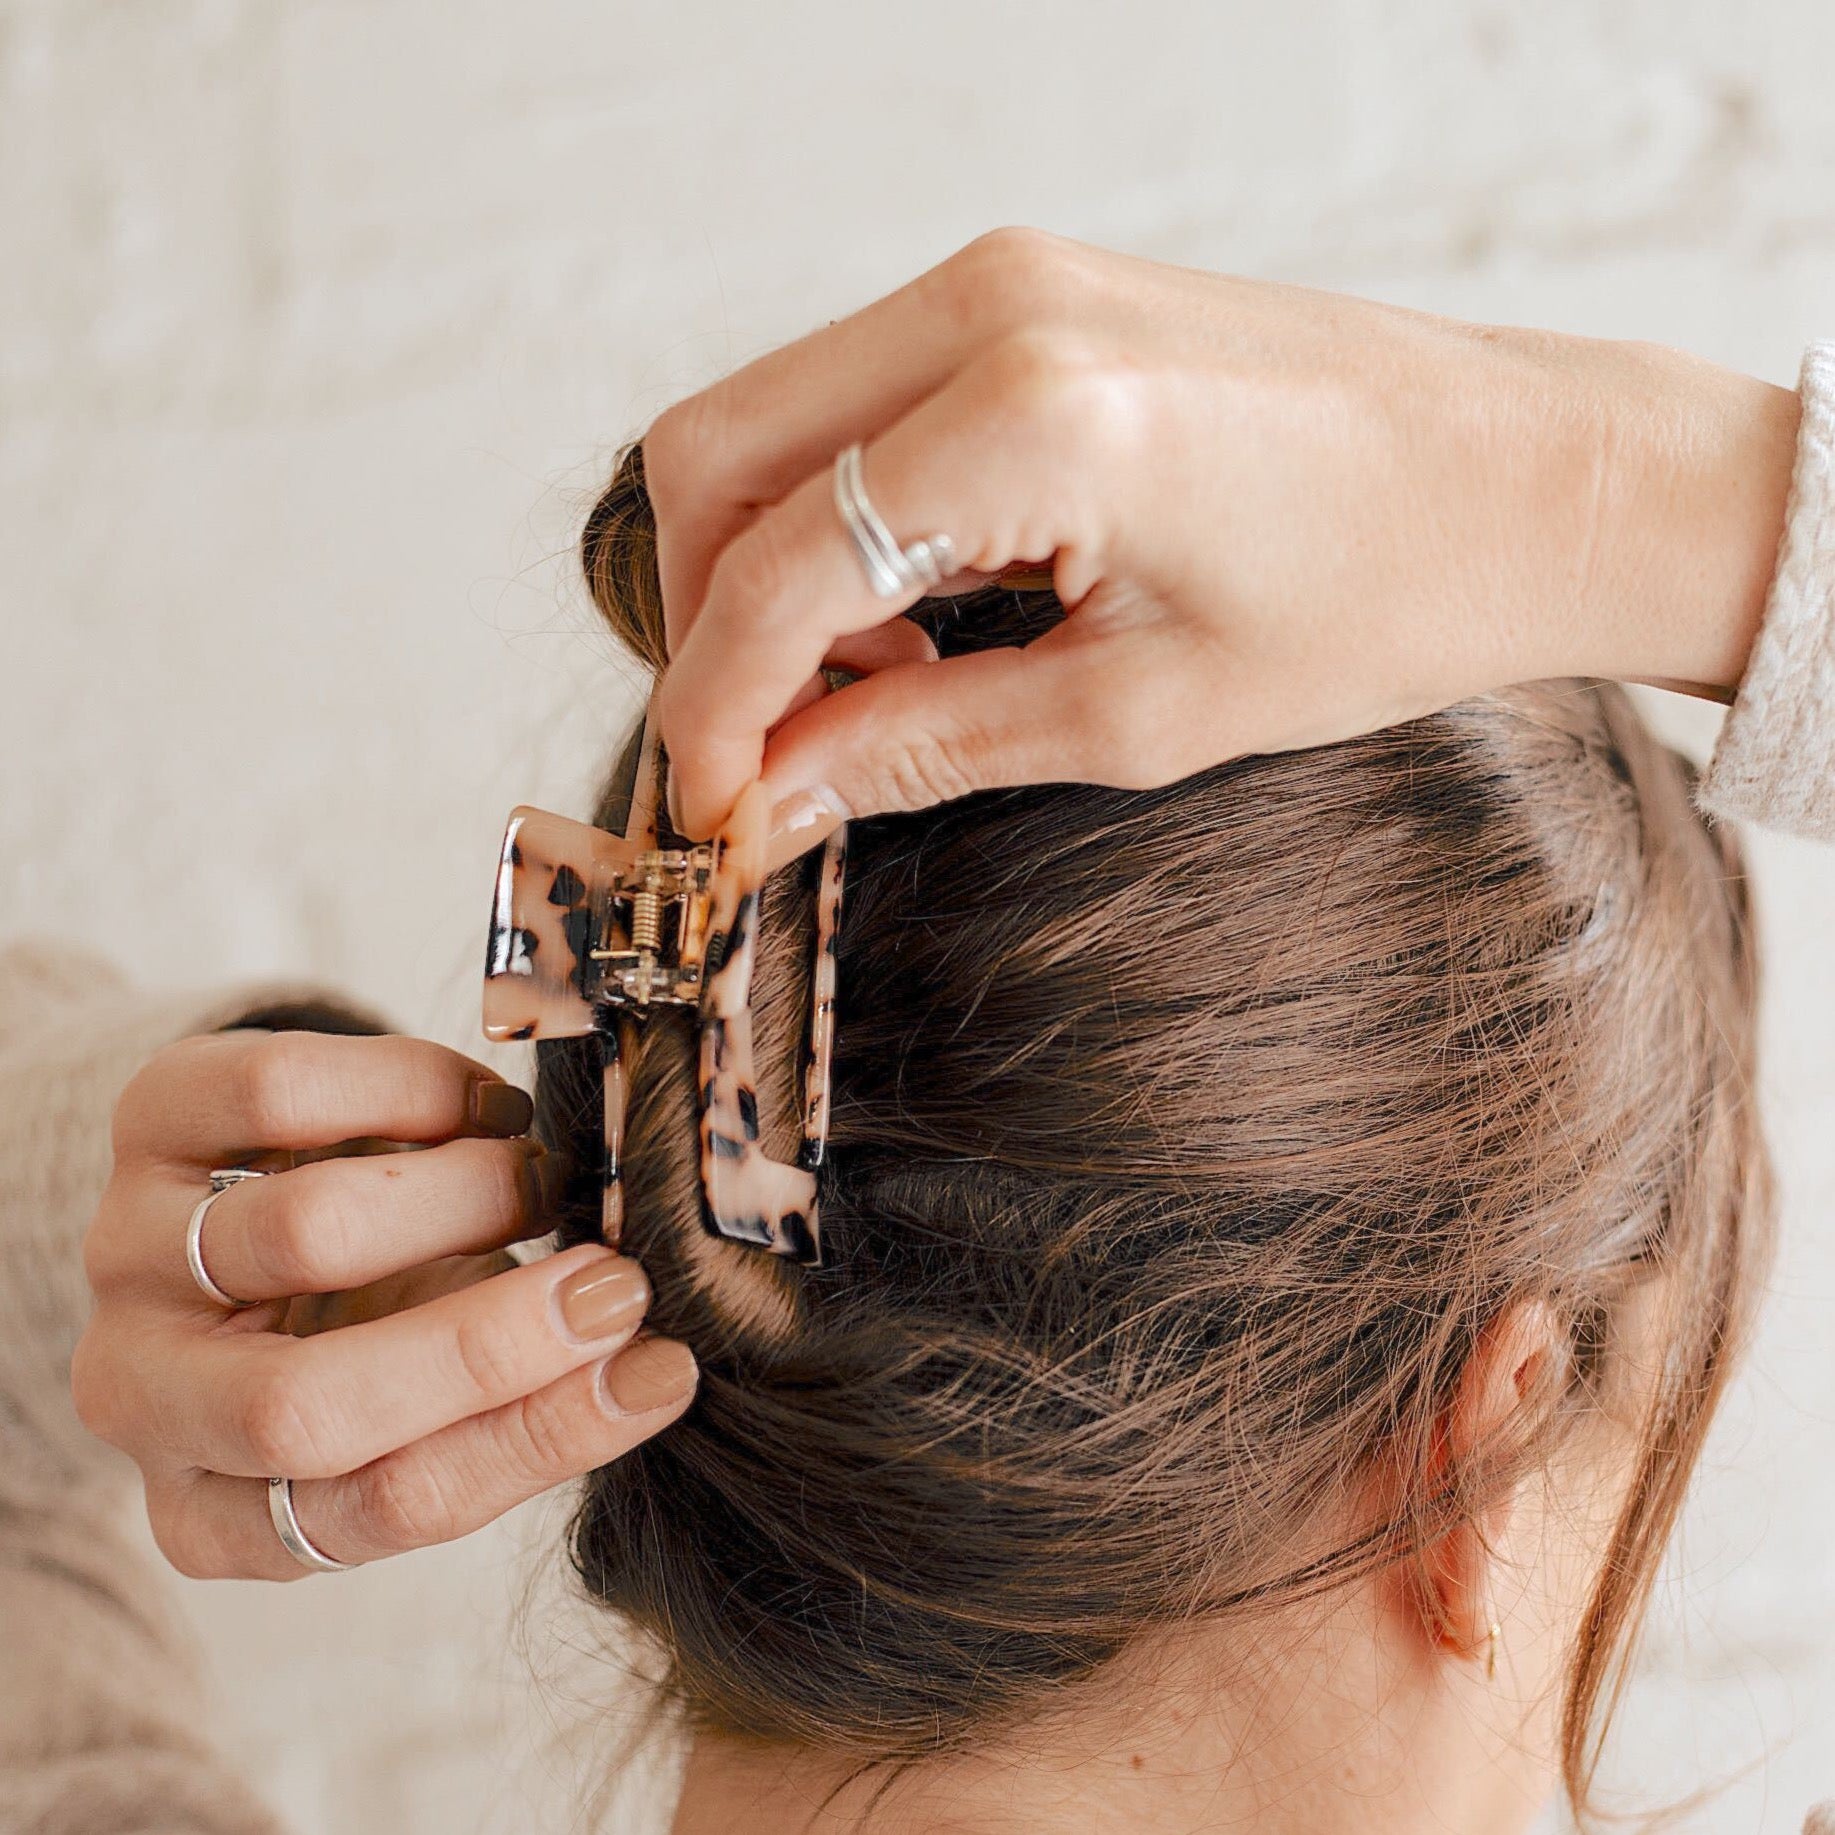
647 923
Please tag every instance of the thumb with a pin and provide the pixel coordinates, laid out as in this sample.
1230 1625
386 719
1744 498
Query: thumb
920 734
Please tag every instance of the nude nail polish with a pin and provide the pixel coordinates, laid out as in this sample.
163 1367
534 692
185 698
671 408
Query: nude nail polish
501 1108
545 1176
802 820
607 1296
654 1373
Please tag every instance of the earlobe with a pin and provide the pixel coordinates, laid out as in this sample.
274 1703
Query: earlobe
1457 1590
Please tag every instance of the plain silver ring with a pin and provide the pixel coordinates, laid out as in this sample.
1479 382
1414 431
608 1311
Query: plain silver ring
891 571
220 1182
293 1538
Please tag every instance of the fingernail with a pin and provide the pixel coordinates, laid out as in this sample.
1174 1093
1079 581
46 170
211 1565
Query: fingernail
608 1295
547 1176
803 820
653 1373
501 1107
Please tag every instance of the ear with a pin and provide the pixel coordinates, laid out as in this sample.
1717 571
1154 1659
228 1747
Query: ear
1458 1595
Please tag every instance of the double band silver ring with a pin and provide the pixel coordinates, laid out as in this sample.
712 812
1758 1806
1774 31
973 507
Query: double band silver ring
892 571
220 1182
293 1538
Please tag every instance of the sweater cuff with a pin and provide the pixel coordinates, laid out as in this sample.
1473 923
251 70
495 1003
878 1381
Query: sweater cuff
1775 763
305 1013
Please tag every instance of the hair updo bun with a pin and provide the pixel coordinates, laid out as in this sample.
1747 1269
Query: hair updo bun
1183 1142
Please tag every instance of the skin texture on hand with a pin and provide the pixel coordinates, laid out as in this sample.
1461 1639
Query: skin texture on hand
391 1356
1276 517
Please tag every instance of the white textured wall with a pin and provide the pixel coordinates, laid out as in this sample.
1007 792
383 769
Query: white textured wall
319 320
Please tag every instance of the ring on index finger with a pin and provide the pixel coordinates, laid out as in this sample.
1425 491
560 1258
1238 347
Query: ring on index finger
891 570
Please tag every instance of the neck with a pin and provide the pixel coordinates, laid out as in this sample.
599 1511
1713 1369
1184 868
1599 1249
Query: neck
1331 1738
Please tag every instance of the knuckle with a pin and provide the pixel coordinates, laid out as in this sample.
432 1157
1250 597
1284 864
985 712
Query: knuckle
672 437
917 770
675 716
131 1123
278 1423
1012 274
543 1444
301 1228
94 1393
683 443
674 700
756 571
662 443
104 1244
98 1255
403 1504
1071 398
488 1354
278 1077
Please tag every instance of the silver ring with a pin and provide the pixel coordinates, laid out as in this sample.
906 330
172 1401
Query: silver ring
891 571
220 1182
293 1538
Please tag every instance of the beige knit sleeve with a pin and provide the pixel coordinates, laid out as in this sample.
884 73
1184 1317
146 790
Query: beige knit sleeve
1775 763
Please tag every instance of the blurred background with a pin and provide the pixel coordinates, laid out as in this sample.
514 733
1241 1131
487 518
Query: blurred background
319 324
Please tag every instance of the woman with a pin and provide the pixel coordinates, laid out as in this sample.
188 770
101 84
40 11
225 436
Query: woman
1290 1224
1271 516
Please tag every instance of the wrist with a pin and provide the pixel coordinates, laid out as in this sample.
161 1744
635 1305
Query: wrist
1708 456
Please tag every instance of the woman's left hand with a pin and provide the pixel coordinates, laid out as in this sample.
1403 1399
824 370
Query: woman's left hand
1276 518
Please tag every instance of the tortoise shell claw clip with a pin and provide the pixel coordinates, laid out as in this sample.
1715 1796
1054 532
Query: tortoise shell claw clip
590 931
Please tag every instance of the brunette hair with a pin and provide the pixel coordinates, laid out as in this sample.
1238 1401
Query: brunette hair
1184 1141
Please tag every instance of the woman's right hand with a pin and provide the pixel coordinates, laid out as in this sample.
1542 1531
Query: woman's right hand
466 1385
